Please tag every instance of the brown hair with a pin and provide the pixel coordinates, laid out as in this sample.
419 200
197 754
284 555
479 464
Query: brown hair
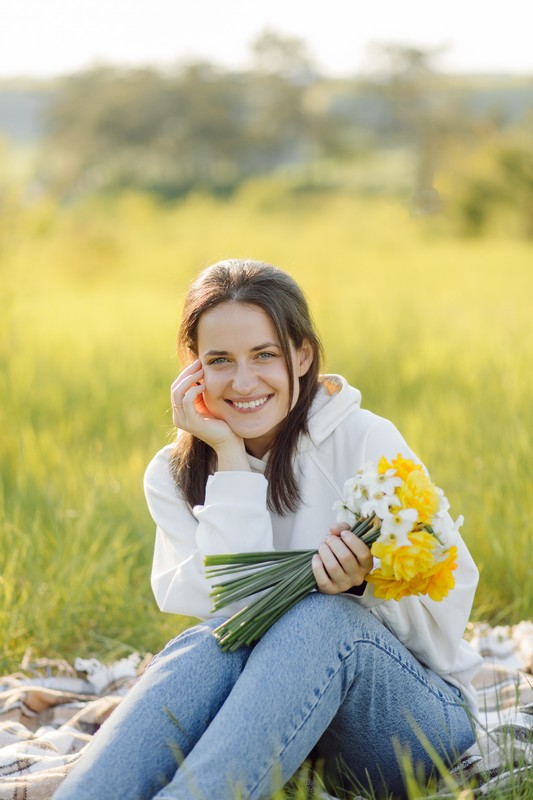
274 291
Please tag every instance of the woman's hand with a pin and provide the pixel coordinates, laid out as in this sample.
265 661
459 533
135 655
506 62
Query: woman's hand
190 413
343 561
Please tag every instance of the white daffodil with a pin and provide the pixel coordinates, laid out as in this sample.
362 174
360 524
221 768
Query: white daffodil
444 527
386 482
400 539
379 504
399 524
354 493
444 504
344 514
352 497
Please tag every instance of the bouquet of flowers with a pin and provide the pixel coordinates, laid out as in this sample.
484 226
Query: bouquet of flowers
393 507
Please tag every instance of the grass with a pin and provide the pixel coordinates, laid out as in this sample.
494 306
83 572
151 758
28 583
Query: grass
434 330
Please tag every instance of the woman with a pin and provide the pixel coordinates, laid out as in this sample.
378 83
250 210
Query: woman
264 447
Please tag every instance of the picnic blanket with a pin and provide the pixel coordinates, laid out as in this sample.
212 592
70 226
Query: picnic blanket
50 710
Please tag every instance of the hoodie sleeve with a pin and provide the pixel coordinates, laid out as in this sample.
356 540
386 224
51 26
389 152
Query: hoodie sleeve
431 630
233 518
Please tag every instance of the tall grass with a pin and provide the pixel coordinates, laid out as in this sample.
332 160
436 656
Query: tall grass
435 331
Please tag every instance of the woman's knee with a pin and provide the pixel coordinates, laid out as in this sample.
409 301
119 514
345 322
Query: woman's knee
319 620
198 642
329 612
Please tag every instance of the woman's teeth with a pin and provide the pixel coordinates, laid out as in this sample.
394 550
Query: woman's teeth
251 404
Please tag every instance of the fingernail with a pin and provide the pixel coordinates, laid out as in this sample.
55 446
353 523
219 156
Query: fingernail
345 535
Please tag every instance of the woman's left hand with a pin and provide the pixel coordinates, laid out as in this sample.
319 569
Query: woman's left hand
343 561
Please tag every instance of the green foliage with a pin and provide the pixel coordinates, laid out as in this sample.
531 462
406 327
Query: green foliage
199 127
491 185
435 332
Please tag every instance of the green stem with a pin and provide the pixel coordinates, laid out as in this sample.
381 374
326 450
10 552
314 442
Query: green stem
281 579
252 622
238 588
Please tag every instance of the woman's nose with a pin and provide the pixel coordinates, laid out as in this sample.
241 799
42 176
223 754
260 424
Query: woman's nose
244 379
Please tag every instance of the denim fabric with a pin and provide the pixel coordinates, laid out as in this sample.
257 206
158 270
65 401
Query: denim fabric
328 677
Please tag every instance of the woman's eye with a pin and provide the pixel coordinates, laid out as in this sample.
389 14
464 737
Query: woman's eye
266 356
219 360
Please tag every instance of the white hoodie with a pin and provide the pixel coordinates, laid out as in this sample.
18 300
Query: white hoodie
235 518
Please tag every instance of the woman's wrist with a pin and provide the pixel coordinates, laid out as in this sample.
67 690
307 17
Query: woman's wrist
232 459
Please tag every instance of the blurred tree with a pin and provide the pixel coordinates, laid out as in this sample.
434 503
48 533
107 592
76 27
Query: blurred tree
515 162
277 117
111 129
288 57
426 113
494 184
200 127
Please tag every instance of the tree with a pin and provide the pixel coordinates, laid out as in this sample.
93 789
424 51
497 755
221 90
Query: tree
424 114
287 57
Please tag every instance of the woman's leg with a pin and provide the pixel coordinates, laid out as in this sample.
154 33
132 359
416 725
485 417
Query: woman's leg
327 666
395 709
140 746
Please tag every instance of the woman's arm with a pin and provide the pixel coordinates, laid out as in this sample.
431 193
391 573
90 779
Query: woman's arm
233 518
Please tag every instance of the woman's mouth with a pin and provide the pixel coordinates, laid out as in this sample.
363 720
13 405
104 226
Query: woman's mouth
249 405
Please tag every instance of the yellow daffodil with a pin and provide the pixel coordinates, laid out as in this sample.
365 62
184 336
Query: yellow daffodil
401 466
441 579
403 563
388 588
417 491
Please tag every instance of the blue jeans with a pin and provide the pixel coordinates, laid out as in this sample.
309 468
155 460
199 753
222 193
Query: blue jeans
328 676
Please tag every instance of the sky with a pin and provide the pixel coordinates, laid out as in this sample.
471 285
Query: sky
44 38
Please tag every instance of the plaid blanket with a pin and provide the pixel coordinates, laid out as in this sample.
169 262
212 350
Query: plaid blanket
50 710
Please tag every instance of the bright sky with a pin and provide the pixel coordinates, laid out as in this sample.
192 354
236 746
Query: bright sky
50 37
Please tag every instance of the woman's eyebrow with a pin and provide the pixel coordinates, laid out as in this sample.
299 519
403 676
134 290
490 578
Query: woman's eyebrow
252 350
265 345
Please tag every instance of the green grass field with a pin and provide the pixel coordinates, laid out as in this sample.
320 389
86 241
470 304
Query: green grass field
435 331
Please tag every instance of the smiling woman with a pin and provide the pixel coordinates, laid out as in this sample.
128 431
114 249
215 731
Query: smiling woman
264 446
229 316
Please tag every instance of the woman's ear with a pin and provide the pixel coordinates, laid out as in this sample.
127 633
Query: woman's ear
305 358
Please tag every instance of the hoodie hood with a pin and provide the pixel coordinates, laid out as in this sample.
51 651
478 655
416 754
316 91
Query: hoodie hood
334 401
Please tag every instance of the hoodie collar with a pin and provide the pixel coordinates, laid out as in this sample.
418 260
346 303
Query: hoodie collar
334 401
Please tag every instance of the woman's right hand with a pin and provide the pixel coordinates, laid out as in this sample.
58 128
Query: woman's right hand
190 413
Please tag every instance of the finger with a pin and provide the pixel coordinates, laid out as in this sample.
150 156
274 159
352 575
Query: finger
182 385
345 557
335 530
360 550
191 395
182 411
323 581
341 564
331 577
185 374
349 572
333 567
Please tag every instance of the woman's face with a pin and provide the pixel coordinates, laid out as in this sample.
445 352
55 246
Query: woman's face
246 377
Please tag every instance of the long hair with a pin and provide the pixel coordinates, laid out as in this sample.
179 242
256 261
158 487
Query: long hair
276 293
